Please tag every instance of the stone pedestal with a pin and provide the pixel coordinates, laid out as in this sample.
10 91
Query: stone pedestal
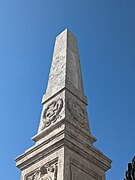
63 147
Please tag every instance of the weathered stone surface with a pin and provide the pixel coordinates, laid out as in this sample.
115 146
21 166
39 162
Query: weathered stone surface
63 147
65 70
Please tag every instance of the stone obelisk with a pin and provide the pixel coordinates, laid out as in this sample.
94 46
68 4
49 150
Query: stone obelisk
63 147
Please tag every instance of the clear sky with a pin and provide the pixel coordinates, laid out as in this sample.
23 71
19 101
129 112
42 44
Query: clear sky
106 37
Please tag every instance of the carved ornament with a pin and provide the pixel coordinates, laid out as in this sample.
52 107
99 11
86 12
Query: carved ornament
52 113
46 172
77 112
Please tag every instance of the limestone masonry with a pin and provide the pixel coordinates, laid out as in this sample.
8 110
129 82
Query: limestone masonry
63 147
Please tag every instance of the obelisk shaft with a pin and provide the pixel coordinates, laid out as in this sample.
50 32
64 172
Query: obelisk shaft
65 69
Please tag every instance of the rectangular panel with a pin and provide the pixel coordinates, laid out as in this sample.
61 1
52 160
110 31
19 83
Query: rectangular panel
80 174
47 171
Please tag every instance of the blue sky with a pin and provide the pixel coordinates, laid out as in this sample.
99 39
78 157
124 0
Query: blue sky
106 35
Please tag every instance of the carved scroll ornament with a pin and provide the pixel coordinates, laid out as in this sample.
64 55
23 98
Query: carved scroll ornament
52 113
44 173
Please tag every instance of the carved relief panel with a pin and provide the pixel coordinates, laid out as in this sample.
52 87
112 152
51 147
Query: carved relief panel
77 113
51 114
45 172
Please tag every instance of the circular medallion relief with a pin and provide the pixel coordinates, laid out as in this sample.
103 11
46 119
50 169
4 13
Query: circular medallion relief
77 112
52 111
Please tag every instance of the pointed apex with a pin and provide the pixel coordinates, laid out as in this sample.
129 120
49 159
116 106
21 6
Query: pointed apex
67 33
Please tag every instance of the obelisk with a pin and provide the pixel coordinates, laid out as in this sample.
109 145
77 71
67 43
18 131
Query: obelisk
63 147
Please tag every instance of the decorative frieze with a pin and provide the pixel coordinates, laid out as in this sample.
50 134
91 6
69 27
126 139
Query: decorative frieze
45 172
